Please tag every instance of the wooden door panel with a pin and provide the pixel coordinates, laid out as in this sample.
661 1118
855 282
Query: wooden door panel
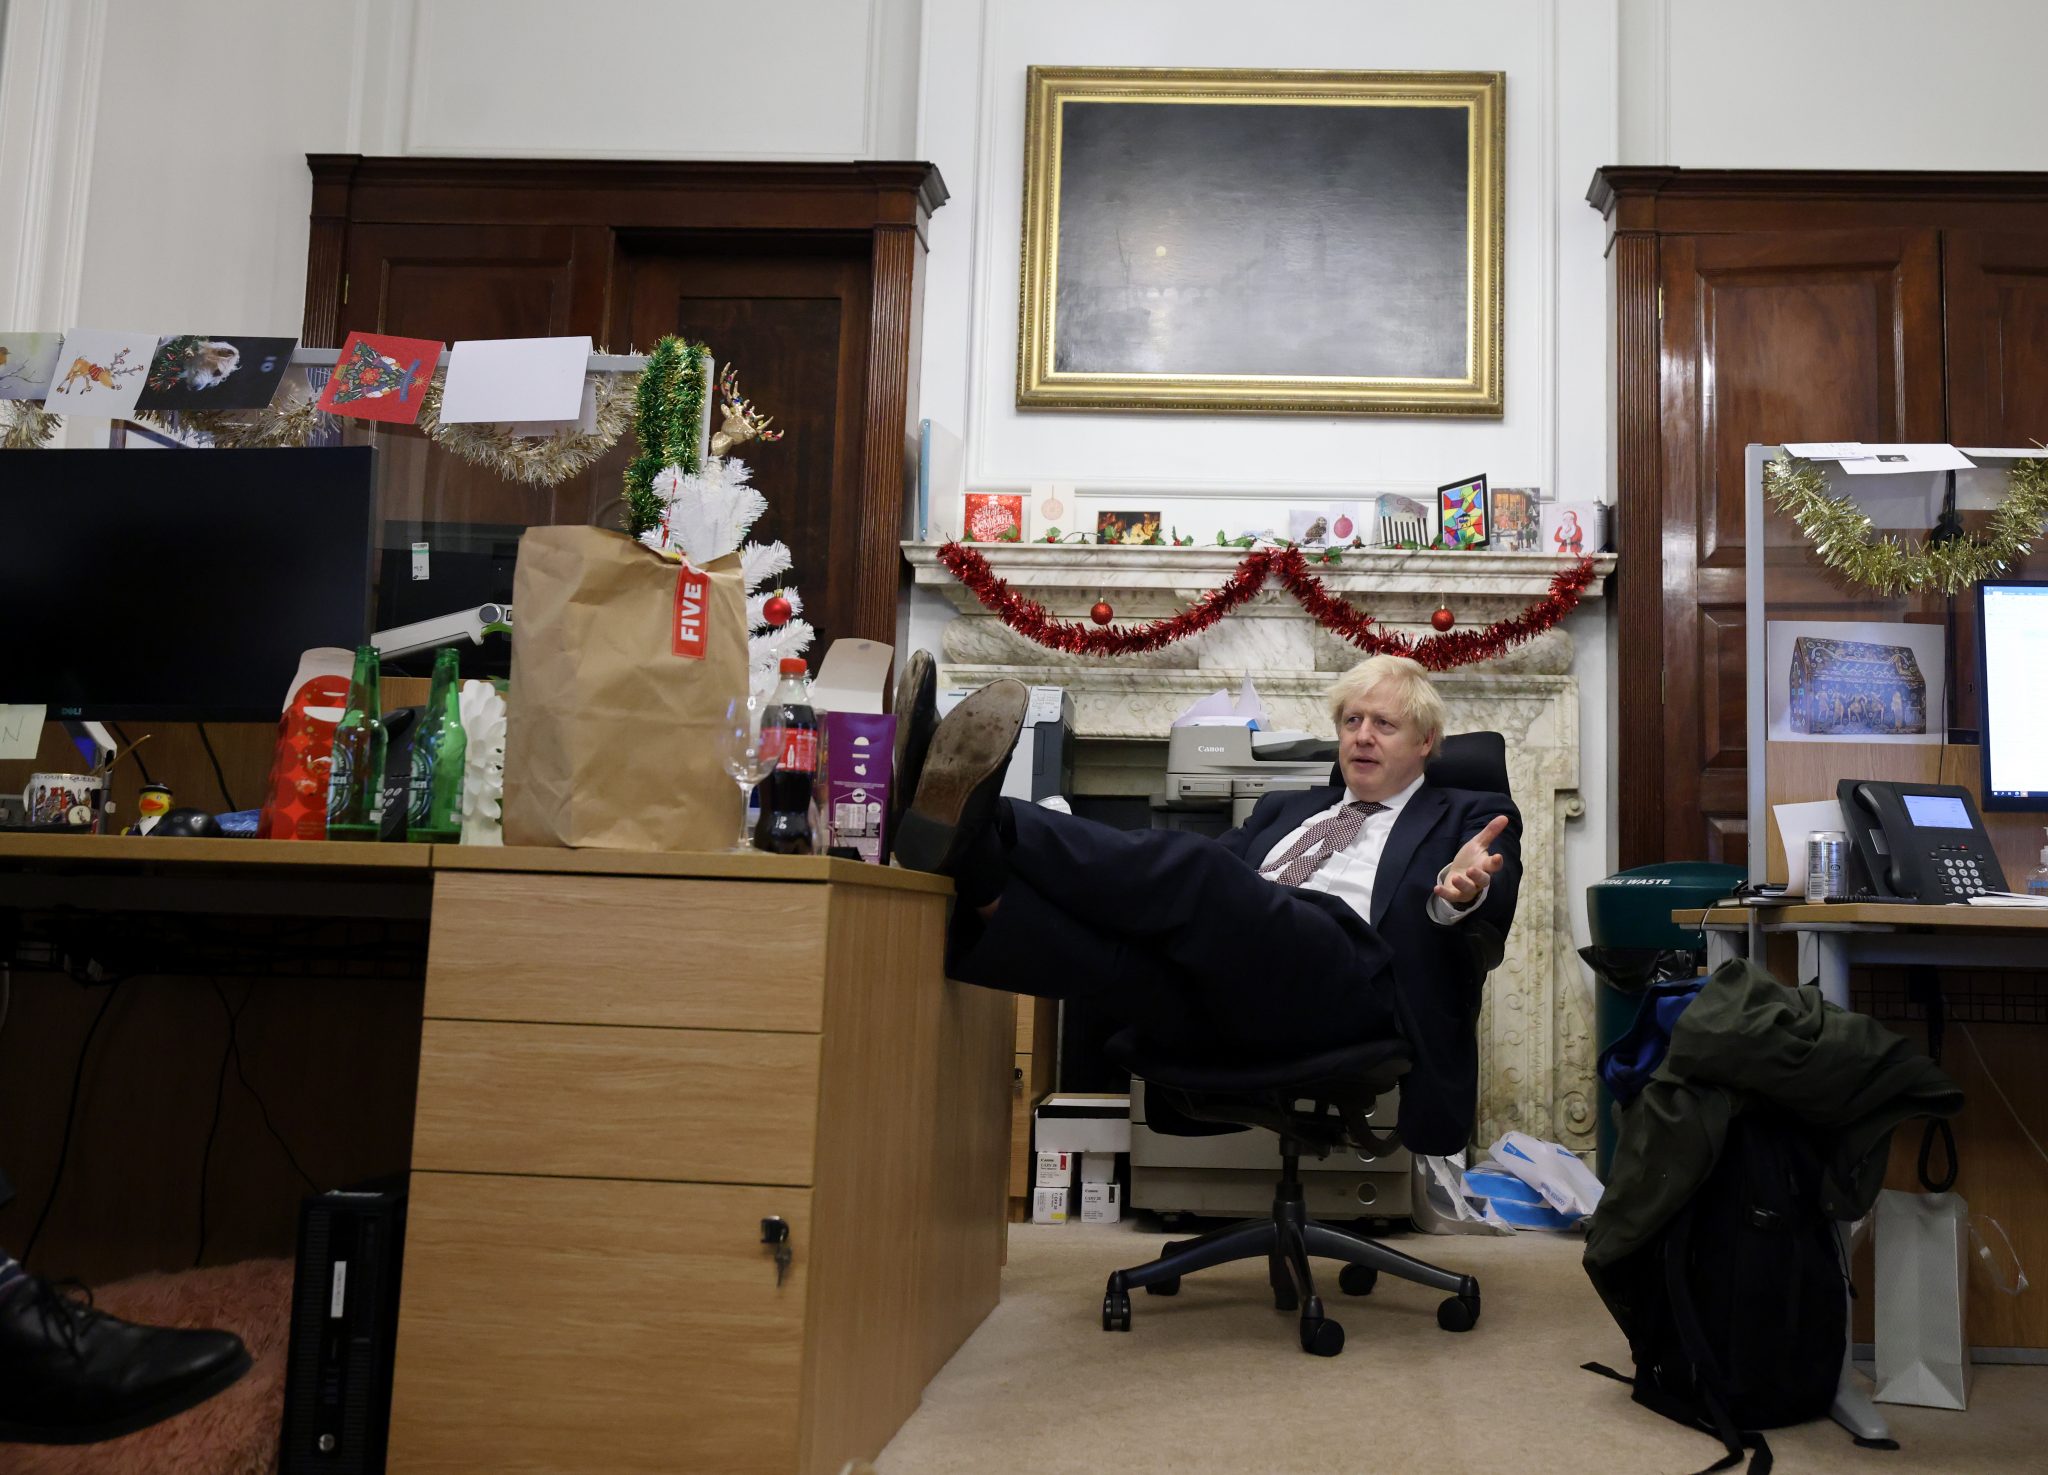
1997 297
795 323
1831 335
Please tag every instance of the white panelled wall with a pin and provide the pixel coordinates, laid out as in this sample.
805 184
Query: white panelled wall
152 172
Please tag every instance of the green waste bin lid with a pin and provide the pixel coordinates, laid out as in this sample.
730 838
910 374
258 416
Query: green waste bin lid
1633 908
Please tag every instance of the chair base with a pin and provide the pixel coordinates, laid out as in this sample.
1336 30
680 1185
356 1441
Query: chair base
1285 1241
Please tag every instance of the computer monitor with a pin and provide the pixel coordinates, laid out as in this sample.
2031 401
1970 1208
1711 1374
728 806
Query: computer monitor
178 585
2012 628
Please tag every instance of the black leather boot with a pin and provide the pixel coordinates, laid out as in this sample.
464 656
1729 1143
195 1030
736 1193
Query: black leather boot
72 1375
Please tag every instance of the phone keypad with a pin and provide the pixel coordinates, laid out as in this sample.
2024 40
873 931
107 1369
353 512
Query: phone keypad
1957 871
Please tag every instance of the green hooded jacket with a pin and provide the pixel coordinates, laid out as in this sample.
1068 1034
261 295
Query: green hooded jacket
1745 1039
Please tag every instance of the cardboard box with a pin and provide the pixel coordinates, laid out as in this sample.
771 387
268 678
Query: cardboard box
1049 1205
1101 1203
1098 1167
859 746
1055 1170
1083 1122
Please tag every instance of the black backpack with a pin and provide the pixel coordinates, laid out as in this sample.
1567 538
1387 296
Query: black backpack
1737 1310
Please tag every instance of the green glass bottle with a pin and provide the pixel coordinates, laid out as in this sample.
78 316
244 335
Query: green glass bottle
439 751
355 782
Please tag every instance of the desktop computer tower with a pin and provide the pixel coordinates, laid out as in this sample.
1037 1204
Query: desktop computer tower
337 1398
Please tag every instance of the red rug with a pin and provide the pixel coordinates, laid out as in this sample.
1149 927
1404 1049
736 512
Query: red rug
233 1433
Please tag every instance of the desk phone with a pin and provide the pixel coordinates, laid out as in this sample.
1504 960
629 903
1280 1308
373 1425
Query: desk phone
1922 842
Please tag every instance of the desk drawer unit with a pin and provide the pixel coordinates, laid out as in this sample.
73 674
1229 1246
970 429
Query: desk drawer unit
621 1077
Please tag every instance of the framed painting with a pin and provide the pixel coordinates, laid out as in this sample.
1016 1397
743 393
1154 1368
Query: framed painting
1262 242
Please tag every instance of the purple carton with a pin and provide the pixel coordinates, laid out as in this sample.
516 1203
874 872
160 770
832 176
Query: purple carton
860 745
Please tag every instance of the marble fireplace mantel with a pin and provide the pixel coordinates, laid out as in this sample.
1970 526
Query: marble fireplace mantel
1536 1043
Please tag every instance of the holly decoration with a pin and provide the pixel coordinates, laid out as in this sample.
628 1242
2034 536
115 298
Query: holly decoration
776 611
368 374
1443 619
668 418
1102 614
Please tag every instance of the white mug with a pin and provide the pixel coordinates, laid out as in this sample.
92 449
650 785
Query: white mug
64 799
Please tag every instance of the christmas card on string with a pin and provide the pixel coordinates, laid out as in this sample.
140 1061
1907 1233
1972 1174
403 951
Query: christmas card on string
204 371
499 381
381 377
100 373
28 364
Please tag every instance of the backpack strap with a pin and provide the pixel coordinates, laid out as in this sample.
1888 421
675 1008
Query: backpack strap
1710 1381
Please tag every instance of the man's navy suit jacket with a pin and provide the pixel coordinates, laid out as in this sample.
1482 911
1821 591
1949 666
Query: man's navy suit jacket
1438 971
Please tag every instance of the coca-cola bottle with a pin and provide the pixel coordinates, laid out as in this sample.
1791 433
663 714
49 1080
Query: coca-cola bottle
790 726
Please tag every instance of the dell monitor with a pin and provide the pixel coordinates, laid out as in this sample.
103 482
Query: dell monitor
178 585
2012 627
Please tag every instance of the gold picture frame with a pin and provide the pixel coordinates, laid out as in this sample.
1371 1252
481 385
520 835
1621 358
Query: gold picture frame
1143 290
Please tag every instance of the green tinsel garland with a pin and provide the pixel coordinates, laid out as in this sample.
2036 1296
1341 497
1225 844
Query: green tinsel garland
1847 540
669 419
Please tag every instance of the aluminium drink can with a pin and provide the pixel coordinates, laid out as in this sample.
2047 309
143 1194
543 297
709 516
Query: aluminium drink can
1827 863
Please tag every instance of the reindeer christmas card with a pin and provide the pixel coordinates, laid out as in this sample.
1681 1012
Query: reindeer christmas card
206 371
100 373
380 377
28 364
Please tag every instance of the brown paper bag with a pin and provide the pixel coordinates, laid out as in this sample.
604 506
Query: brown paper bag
622 664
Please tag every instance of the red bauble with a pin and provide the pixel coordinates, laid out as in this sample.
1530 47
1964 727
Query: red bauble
775 610
1102 614
1443 619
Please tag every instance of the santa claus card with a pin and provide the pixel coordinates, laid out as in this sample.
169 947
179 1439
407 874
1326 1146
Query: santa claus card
379 377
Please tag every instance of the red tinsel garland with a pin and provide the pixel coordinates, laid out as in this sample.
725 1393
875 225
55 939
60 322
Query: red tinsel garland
1335 614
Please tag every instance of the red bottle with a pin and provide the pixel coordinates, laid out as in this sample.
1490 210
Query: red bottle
791 725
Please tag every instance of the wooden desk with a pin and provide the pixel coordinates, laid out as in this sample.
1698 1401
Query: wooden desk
626 1063
1999 1172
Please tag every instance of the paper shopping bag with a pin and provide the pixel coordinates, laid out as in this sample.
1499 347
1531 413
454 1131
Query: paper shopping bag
622 664
1923 1257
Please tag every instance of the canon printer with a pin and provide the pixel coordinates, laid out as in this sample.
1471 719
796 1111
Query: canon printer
1225 770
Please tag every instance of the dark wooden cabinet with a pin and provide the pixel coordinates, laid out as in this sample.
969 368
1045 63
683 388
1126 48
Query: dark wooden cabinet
807 276
1759 307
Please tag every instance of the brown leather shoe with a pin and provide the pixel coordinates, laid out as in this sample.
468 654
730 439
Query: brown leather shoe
962 777
917 715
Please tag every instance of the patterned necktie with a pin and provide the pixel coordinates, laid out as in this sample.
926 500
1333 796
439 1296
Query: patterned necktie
1332 833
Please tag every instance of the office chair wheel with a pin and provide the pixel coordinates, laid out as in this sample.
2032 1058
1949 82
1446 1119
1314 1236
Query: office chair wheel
1321 1336
1168 1287
1286 1300
1459 1314
1357 1280
1116 1311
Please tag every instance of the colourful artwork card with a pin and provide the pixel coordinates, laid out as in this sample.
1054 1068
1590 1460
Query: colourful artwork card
204 371
1516 518
379 377
1143 526
28 364
1462 506
995 517
100 373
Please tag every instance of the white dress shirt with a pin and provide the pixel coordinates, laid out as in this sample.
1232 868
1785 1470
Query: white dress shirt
1349 874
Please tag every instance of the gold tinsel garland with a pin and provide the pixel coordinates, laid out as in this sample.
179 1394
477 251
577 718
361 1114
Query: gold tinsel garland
25 426
541 460
1848 541
546 460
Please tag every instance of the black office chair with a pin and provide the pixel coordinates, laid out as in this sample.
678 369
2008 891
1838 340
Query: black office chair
1317 1105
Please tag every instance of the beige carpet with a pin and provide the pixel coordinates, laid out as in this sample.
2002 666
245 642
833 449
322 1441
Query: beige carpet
1213 1380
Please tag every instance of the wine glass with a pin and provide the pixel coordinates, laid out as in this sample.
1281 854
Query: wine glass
749 755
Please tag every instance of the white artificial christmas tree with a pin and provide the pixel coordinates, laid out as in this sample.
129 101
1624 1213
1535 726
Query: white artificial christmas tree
708 516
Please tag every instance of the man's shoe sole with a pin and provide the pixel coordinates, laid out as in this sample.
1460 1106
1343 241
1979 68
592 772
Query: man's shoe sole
169 1406
963 773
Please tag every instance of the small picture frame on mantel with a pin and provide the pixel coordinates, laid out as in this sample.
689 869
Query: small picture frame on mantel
1462 513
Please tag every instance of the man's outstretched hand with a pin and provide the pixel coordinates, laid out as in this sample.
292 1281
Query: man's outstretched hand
1473 866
